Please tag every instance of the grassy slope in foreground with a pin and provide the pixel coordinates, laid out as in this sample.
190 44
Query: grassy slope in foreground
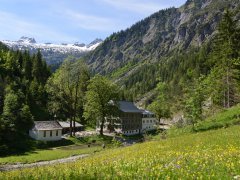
212 154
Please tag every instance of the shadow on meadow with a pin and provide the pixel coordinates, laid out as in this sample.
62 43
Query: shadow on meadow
27 145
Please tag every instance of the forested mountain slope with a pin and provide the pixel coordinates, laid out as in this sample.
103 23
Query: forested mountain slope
171 45
154 37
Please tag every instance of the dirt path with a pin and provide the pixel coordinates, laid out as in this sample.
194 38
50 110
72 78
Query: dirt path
43 163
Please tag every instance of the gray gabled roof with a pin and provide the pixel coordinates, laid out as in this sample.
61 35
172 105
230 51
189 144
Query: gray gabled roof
126 106
66 124
46 125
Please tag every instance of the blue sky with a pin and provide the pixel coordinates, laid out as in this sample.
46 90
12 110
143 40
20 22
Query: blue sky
69 21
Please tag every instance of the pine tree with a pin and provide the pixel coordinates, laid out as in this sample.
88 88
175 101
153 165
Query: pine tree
37 67
27 66
225 54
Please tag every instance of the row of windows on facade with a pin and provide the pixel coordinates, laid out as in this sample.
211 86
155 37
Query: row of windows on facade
149 121
148 127
127 115
148 116
130 115
127 120
134 131
51 133
136 121
131 126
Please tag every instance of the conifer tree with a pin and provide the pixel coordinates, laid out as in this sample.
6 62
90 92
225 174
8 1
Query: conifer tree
226 53
37 67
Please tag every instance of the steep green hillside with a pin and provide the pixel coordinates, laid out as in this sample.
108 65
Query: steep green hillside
171 45
223 119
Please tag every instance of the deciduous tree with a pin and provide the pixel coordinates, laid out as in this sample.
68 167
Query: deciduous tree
101 100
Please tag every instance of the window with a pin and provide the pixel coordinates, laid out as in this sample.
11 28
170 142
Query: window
143 121
57 133
44 133
150 121
50 133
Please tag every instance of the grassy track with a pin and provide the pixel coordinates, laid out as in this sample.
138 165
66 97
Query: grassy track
77 147
49 154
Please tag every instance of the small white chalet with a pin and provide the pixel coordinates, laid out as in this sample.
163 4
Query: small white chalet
46 131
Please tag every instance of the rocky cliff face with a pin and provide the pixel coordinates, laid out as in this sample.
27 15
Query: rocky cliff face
169 30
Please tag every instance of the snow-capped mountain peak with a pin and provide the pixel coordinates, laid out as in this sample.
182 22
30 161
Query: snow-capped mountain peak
53 53
24 39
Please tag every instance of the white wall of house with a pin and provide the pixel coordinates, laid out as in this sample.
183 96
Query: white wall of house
149 124
46 135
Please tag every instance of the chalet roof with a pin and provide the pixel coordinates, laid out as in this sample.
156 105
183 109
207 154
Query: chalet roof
66 124
126 106
146 112
47 125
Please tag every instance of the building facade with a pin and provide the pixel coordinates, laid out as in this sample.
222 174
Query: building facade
149 121
46 131
131 120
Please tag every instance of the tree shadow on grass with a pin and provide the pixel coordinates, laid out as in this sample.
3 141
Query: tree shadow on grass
27 145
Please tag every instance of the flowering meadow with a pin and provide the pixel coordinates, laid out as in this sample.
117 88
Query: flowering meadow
208 155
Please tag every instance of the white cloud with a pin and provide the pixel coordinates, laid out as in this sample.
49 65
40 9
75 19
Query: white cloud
15 26
143 7
90 22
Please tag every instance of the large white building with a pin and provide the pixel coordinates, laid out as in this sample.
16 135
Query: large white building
149 121
46 131
131 120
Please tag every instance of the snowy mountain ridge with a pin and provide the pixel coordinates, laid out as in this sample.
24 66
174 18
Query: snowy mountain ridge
53 53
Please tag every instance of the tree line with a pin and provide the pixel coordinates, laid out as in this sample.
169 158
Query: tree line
30 92
23 97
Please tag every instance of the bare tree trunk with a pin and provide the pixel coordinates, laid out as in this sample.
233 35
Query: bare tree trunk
224 99
74 125
75 105
101 126
228 89
224 92
71 127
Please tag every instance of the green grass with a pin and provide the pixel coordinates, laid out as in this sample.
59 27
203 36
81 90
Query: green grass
186 154
224 119
49 154
212 154
60 149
